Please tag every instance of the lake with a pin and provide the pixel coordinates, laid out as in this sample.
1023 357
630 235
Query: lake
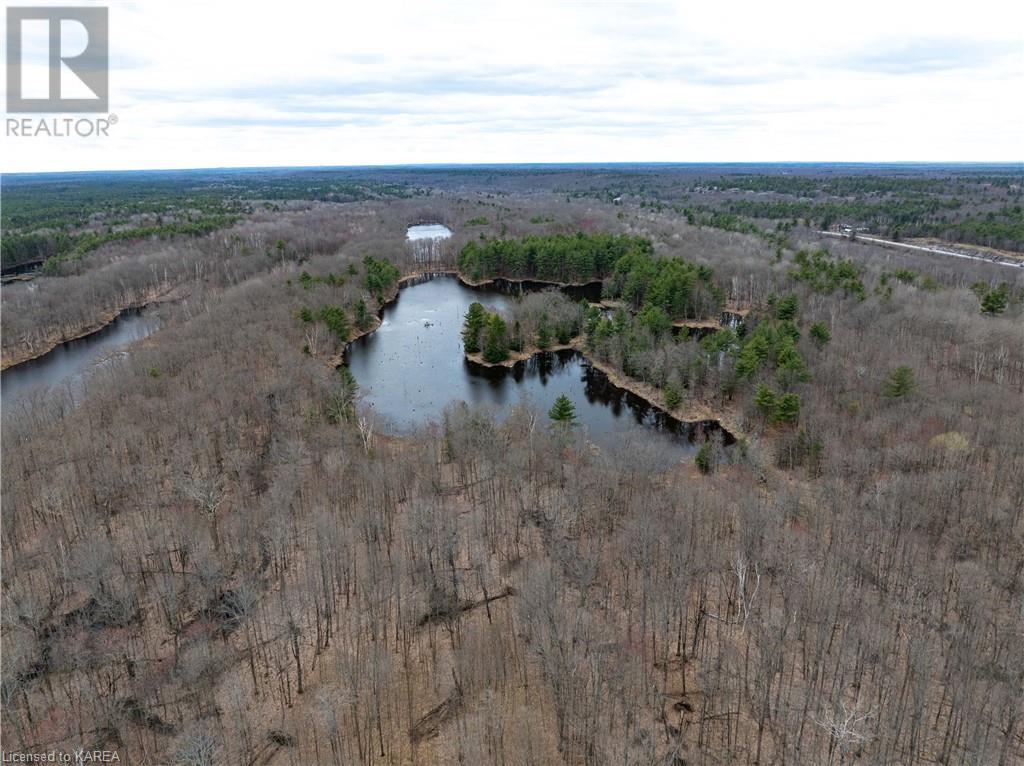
413 366
428 231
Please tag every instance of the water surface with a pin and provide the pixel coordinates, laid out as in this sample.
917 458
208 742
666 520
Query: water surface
428 231
413 367
69 364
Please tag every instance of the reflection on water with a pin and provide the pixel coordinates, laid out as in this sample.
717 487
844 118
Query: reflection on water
413 366
70 363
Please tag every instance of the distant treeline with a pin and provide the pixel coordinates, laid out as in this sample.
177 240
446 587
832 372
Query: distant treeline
21 249
70 215
810 184
917 217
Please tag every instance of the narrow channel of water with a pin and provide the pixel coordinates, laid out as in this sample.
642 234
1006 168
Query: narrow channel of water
69 364
413 367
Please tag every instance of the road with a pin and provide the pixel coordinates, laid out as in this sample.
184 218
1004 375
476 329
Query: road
937 250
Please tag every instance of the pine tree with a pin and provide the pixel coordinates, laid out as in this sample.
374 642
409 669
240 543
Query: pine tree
791 366
335 319
787 409
362 315
495 340
995 301
543 334
900 382
342 401
705 458
820 333
562 411
787 308
765 400
474 323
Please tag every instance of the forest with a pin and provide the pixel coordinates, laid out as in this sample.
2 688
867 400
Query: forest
556 257
50 222
215 552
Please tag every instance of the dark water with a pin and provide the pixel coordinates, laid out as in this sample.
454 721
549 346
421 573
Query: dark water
70 363
413 366
588 292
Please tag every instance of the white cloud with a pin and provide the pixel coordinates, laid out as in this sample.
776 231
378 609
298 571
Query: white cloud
198 84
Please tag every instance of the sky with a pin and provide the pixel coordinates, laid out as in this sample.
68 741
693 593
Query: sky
226 84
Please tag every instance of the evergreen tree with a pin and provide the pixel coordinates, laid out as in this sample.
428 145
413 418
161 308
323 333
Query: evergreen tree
495 340
900 382
672 396
543 334
995 301
787 408
765 400
473 325
363 319
335 319
705 458
562 411
791 367
341 404
655 319
786 308
380 275
820 333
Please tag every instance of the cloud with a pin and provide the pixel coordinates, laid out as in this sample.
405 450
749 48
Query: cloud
929 56
197 83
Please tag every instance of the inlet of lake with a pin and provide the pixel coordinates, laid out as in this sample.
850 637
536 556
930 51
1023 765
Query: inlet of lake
68 365
413 367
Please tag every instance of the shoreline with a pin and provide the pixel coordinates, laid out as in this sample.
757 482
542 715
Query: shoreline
468 282
515 357
689 412
106 319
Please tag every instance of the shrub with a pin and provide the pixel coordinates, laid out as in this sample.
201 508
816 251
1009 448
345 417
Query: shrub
672 396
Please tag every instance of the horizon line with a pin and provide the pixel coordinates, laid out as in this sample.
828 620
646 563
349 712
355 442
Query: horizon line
615 163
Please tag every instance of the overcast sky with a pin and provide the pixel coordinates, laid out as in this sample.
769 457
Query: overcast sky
210 84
